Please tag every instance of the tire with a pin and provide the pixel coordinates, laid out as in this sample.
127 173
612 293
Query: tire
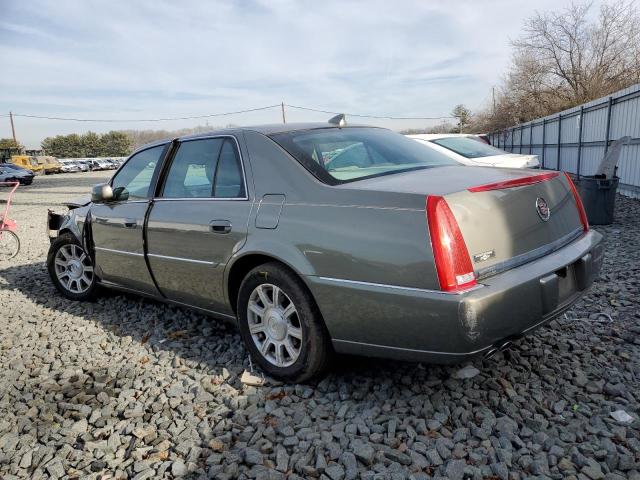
281 327
9 244
80 282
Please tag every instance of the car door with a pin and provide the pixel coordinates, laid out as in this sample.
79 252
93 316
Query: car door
117 226
198 221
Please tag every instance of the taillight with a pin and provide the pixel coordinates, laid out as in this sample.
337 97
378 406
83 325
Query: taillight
579 205
453 264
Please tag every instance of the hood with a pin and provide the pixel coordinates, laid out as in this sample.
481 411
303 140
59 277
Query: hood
78 202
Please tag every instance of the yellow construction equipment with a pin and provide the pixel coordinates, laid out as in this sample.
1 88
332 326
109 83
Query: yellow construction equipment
29 162
49 163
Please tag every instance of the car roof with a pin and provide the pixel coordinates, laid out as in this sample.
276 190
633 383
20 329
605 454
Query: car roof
267 129
273 128
435 136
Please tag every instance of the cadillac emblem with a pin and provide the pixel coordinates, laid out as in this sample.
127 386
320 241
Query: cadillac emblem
544 212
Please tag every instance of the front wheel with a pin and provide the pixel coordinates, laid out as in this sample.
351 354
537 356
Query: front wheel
281 324
70 268
9 244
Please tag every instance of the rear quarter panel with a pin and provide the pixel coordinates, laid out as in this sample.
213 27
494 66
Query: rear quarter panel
339 232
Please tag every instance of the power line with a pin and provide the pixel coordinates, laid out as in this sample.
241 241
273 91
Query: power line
368 116
195 117
111 120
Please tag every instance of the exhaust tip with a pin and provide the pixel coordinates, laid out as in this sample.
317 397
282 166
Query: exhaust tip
490 353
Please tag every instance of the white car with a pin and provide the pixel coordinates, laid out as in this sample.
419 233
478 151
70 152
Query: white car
472 150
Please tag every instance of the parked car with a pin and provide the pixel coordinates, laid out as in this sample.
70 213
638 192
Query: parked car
100 164
13 173
402 253
82 166
472 150
23 175
70 167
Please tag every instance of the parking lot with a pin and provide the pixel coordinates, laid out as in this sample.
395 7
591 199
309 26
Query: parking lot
131 388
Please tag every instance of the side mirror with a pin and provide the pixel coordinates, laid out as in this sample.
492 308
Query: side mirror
101 193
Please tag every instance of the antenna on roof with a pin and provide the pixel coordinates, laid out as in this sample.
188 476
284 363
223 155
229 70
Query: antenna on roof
339 120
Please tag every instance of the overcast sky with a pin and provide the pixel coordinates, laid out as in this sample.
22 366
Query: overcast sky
148 59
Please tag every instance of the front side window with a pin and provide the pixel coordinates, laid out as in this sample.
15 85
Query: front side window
134 179
469 147
203 169
338 155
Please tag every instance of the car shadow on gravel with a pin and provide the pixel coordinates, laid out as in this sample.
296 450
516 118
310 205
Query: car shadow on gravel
183 331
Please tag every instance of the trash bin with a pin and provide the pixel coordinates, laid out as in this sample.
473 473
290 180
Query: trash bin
599 198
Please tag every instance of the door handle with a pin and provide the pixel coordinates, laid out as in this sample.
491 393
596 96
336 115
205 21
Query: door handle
130 223
220 226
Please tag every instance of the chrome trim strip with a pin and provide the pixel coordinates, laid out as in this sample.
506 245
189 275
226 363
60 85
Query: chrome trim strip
412 350
398 287
121 252
530 256
199 199
244 174
180 259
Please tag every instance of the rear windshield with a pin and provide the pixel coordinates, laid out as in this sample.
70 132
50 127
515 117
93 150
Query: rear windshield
338 155
469 147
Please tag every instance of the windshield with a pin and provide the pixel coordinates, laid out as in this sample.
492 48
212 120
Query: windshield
469 147
338 155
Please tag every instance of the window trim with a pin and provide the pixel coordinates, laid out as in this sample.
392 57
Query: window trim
167 167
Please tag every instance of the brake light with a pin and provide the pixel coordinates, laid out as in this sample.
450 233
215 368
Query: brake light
579 205
453 264
516 182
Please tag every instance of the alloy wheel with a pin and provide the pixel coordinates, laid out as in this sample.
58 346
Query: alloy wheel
274 325
73 268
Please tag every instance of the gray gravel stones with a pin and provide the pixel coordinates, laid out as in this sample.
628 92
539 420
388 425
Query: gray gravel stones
129 388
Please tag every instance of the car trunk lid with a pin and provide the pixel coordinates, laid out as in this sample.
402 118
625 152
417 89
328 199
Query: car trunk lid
496 209
509 223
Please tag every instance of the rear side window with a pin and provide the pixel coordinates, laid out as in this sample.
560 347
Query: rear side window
338 155
205 168
229 182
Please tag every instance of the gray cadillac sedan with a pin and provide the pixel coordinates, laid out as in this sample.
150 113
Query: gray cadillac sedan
322 238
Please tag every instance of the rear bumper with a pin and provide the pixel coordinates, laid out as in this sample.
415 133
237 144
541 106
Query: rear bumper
431 326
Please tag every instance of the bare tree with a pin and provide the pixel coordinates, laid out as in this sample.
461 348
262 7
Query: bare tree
564 59
586 59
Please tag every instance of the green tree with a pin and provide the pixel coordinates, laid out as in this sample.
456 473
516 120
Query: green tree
115 144
91 144
10 143
463 114
63 146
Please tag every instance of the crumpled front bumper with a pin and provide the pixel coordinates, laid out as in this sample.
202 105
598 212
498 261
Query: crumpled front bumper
54 223
424 325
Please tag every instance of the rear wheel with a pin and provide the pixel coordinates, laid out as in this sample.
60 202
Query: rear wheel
281 324
9 244
70 268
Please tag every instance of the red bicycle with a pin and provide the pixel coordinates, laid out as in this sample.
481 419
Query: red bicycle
9 241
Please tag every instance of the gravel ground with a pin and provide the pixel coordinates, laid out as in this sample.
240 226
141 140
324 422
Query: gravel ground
130 388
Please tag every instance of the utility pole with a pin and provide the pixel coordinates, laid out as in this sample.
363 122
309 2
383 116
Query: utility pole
13 128
284 119
493 94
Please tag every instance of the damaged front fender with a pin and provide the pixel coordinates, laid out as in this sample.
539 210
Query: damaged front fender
73 221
